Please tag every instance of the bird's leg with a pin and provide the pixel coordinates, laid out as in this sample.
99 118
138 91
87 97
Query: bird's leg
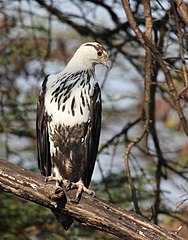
80 188
66 185
58 180
60 183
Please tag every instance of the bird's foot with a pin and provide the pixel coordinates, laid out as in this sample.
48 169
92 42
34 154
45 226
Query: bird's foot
58 180
61 183
80 188
68 185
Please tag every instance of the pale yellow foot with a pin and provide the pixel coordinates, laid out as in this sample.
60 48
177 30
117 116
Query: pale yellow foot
81 188
67 185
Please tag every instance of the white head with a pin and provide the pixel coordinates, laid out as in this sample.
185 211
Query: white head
87 56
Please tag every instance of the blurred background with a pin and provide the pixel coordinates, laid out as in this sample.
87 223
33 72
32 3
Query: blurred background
38 38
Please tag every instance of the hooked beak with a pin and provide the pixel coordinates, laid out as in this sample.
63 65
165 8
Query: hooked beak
108 64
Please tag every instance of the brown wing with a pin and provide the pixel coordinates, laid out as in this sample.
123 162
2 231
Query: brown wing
93 134
43 145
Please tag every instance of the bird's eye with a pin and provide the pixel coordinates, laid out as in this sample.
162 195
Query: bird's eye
99 53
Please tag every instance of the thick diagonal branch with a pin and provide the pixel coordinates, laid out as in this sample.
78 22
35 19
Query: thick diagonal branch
90 211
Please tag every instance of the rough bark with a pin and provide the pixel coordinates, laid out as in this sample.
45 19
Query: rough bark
90 211
182 9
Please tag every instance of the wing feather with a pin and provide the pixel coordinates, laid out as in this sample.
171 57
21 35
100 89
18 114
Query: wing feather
43 145
93 133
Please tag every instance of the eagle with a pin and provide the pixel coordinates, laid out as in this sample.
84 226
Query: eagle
68 122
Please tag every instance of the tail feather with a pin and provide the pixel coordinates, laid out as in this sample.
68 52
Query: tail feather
63 219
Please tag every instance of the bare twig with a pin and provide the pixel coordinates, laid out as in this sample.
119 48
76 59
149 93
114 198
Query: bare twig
123 131
148 61
149 106
127 167
181 50
146 42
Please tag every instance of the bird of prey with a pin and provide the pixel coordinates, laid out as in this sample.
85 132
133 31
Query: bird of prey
69 122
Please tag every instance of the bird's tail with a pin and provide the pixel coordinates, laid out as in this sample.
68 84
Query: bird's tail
63 219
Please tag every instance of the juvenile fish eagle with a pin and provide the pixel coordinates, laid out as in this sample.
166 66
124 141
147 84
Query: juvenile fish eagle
69 122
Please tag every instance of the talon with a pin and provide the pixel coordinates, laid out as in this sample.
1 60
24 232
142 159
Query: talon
81 188
89 191
93 194
59 190
47 179
74 200
54 204
58 180
79 191
67 184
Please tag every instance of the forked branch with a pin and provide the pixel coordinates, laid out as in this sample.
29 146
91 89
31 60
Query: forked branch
145 42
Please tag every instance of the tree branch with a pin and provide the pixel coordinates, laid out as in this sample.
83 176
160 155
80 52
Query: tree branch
146 42
90 211
182 9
